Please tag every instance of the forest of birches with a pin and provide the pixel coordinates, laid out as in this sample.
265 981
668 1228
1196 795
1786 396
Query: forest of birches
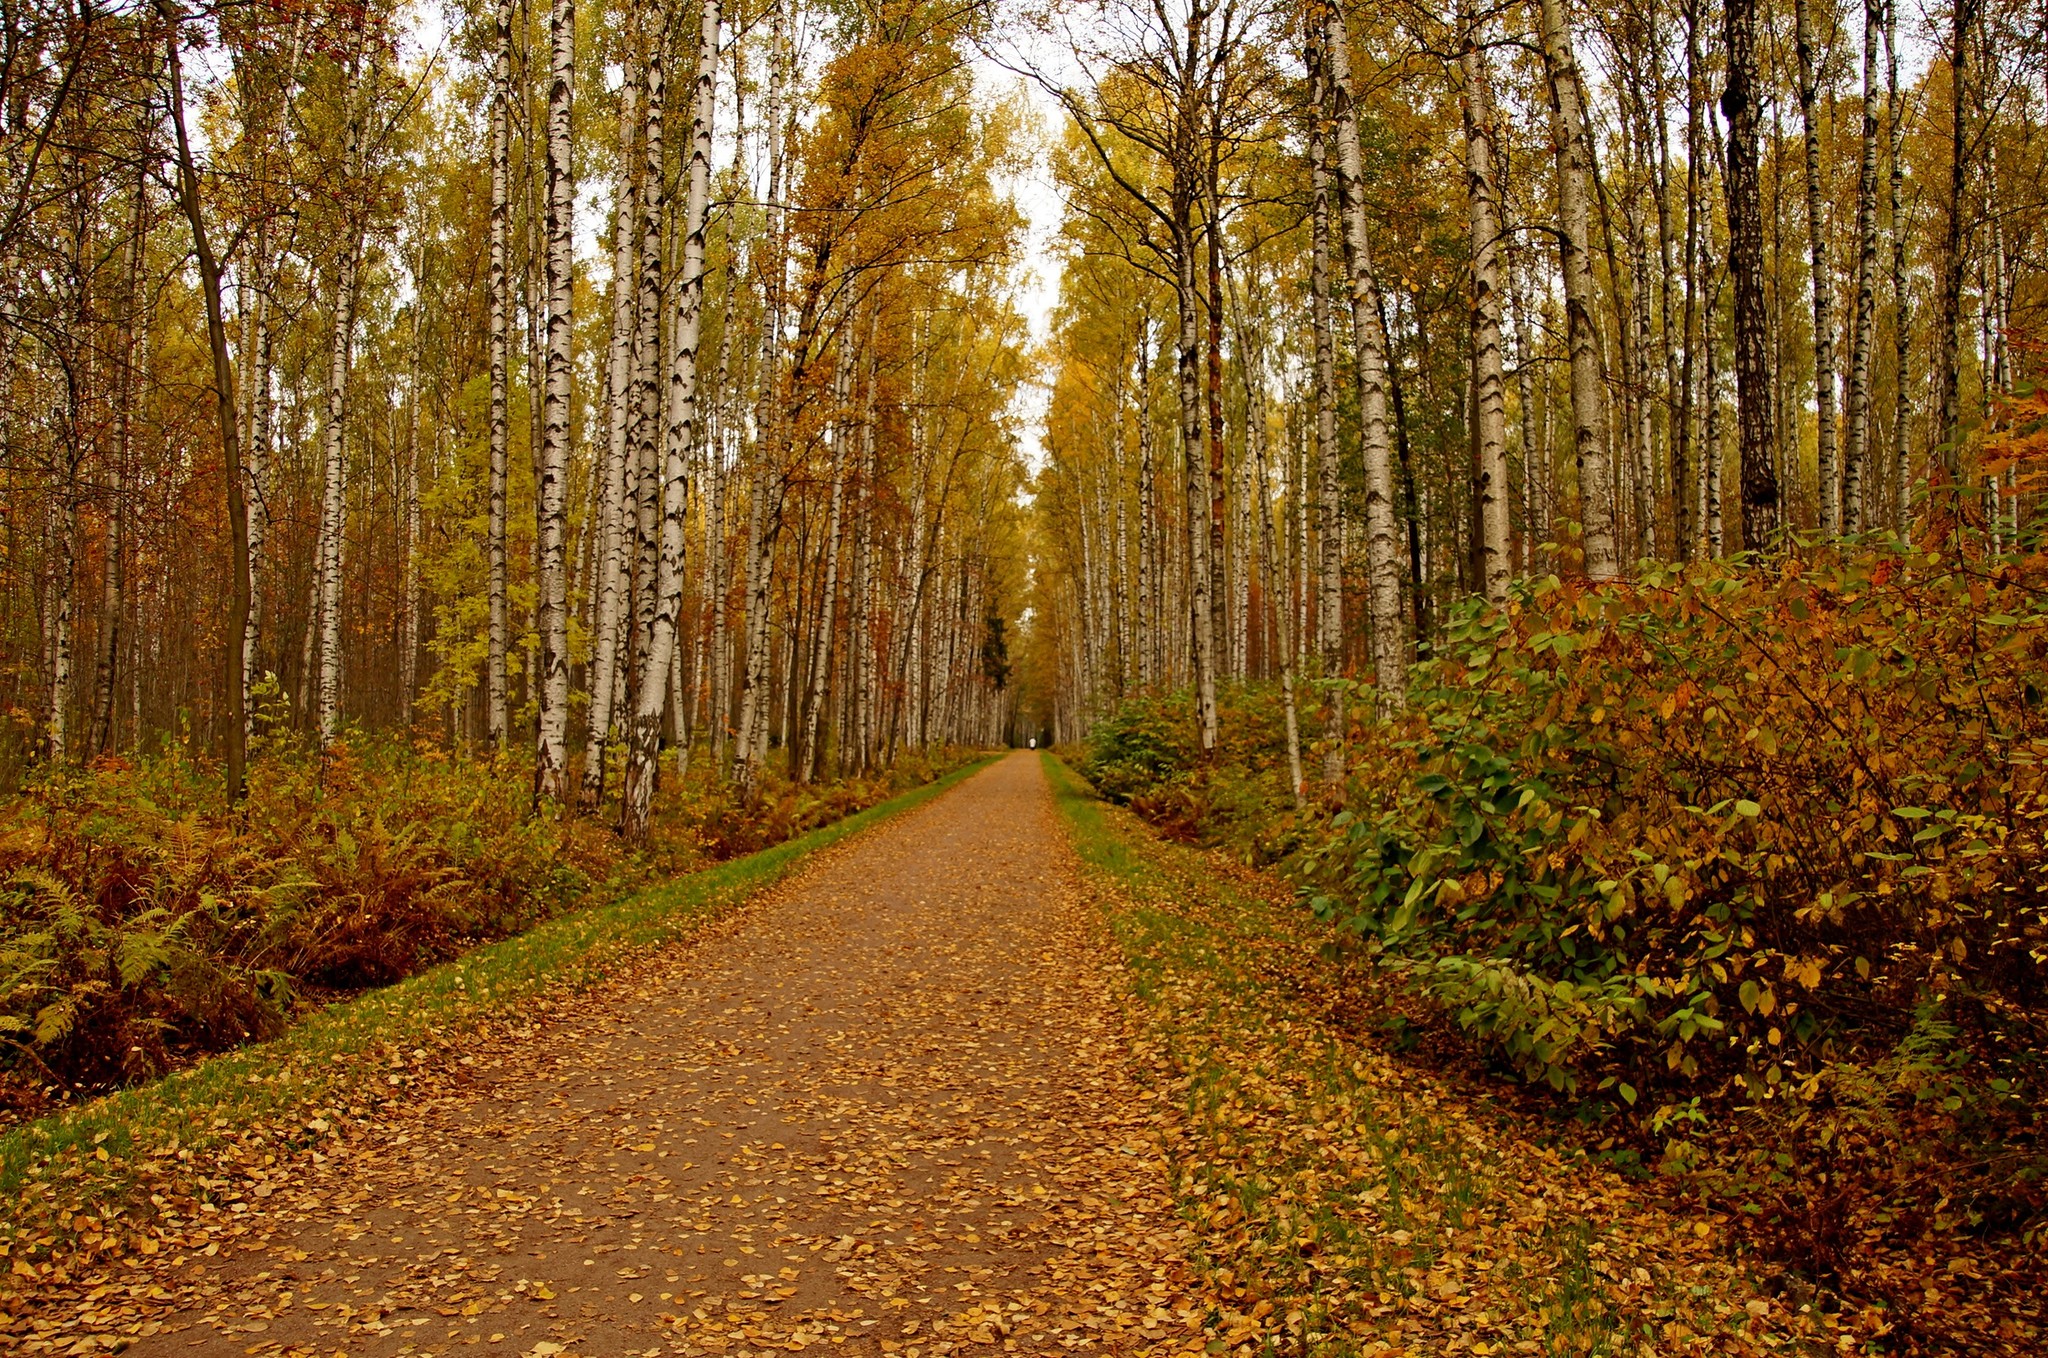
1559 479
591 372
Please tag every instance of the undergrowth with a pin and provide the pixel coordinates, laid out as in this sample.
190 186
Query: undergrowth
144 923
1742 864
120 1172
1343 1204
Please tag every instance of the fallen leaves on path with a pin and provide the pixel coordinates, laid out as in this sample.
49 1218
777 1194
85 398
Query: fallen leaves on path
886 1109
1348 1203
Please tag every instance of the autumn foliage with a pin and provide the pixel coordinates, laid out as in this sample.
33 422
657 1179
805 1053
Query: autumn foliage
1747 857
143 923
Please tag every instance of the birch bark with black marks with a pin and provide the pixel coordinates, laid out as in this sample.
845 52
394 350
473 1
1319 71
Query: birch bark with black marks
550 771
1575 260
1329 591
1863 319
1369 340
1902 308
1489 393
497 720
1821 276
334 479
623 357
680 440
1151 655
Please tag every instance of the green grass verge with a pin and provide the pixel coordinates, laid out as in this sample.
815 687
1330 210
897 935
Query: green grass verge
1365 1205
74 1176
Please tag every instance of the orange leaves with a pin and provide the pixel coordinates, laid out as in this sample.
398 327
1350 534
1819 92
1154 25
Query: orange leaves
2020 436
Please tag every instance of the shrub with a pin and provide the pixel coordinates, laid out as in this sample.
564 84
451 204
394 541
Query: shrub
144 922
1146 754
1748 857
1768 836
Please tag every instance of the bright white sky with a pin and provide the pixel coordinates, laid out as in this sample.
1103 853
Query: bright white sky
1038 286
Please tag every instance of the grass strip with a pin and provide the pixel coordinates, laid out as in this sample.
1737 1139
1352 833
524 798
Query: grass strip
73 1178
1346 1202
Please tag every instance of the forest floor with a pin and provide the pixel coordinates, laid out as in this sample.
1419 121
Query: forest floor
998 1075
888 1106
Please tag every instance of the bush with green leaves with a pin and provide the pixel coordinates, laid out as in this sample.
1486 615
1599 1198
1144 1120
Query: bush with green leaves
1755 847
1147 754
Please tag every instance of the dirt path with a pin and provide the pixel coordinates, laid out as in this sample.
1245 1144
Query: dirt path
886 1109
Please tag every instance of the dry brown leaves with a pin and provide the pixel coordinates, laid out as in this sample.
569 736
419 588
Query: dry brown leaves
886 1109
1350 1203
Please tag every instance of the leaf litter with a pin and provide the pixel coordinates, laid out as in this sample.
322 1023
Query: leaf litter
1348 1202
917 1100
887 1109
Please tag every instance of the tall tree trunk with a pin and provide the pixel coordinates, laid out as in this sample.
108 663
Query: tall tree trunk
861 648
224 414
1382 544
821 642
1710 439
409 526
262 435
333 504
1863 327
1489 392
649 430
684 431
1201 579
551 753
1329 514
1575 258
1219 492
1535 446
497 719
622 364
1902 328
1682 496
1822 278
134 323
1677 335
1152 654
1945 435
1757 430
762 528
64 579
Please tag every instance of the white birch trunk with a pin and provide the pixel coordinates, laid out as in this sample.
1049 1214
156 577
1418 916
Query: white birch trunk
1822 278
1489 394
332 502
1383 545
681 437
611 528
1863 326
497 720
550 772
1575 251
1329 592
